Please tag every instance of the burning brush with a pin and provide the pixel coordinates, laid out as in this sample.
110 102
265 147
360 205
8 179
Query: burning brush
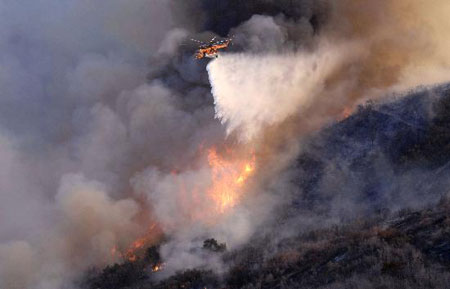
201 202
228 179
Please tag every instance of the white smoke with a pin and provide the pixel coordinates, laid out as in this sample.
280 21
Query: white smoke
89 224
63 68
82 129
254 91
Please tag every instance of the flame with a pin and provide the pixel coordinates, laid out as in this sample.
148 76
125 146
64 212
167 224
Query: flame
132 252
157 267
347 112
228 179
229 175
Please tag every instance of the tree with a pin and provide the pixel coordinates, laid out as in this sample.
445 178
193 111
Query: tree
213 246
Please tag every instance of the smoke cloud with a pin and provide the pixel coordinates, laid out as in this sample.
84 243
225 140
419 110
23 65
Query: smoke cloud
253 92
106 119
372 48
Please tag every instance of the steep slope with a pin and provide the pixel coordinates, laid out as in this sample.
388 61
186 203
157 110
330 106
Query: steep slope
411 250
383 157
367 208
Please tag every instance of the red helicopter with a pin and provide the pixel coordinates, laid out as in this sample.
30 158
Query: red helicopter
211 49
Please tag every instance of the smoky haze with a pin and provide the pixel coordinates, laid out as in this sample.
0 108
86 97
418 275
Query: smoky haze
104 113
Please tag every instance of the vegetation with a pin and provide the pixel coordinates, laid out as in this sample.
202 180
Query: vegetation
213 246
409 250
370 153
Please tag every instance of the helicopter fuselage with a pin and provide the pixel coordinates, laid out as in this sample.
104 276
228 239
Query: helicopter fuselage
211 51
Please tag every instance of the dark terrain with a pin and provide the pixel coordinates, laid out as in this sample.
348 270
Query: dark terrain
409 251
376 183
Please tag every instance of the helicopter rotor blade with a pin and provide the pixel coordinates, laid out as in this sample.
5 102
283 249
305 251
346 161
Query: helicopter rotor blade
212 40
198 41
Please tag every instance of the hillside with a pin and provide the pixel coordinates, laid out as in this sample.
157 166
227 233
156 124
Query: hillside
368 209
411 250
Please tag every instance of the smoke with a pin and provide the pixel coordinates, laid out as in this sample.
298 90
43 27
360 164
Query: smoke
64 67
106 119
17 265
253 92
364 50
404 40
89 223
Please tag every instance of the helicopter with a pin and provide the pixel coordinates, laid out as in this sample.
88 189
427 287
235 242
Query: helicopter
211 49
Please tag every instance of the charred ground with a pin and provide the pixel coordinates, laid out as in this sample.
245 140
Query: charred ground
375 233
410 250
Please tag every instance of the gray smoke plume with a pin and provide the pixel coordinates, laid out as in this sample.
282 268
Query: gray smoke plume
106 118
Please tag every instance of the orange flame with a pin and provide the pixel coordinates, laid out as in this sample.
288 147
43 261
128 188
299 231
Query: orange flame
229 175
347 112
157 267
228 179
132 251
